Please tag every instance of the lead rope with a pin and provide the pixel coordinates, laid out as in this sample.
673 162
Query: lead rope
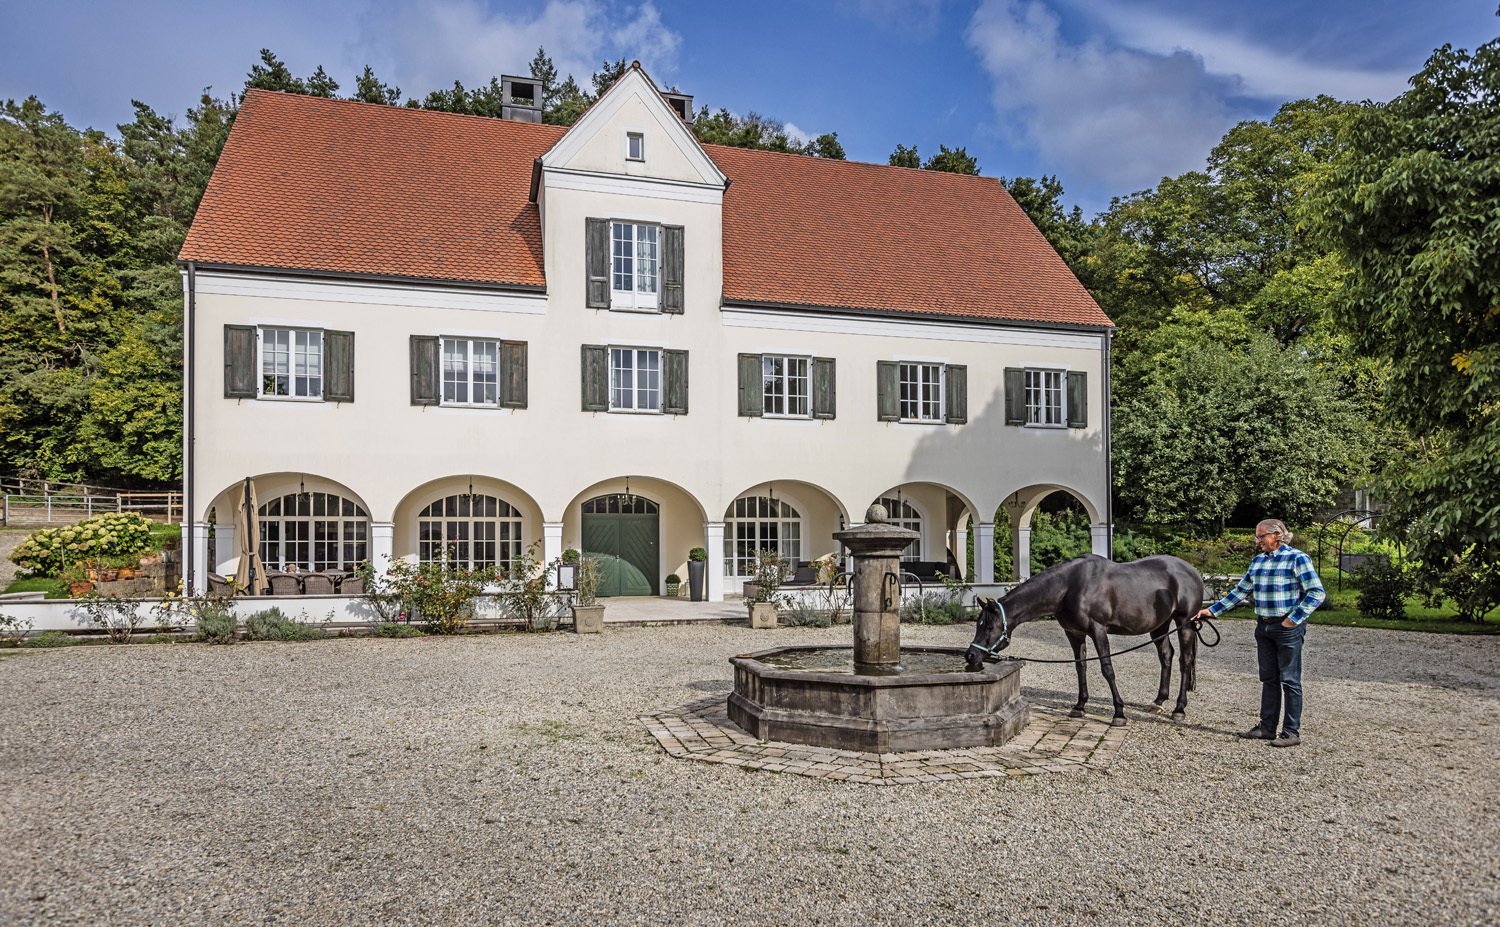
994 652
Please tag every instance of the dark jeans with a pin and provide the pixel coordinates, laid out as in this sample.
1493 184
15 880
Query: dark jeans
1278 651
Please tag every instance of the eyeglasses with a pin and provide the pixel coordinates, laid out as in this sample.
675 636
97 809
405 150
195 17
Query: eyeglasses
1267 534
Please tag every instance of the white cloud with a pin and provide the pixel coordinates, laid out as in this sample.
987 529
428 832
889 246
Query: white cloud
1098 114
795 134
427 45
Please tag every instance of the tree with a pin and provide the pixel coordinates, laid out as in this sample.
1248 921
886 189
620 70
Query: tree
826 145
273 74
545 73
952 161
42 173
608 73
321 85
1411 203
905 157
370 89
568 104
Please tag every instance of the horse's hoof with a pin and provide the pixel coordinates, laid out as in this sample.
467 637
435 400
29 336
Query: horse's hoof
1178 715
1076 713
1156 707
1117 722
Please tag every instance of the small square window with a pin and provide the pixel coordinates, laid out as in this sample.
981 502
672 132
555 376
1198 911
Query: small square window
635 146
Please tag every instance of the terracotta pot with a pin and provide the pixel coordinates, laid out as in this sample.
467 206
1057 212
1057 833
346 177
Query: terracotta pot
79 590
108 575
128 573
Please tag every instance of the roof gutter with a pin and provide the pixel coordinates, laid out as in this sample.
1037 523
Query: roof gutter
536 179
1109 458
189 371
945 318
354 277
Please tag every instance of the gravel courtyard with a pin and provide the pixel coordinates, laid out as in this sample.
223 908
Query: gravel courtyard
505 779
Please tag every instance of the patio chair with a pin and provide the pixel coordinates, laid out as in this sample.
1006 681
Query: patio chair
219 585
284 583
352 585
317 584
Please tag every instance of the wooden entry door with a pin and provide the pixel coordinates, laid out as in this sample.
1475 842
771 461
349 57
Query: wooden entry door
623 534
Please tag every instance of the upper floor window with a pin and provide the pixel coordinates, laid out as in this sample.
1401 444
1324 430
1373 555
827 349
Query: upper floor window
291 363
635 146
922 392
635 264
634 380
471 371
1044 397
786 385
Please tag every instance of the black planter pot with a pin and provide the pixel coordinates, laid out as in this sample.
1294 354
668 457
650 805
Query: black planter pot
697 570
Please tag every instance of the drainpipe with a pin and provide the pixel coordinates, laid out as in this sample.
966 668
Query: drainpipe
189 544
1109 460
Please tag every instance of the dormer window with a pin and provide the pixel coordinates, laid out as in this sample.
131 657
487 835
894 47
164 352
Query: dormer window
635 146
634 278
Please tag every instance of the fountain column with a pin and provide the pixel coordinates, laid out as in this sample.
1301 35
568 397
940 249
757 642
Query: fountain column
876 549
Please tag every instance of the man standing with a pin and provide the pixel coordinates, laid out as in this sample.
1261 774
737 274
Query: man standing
1285 588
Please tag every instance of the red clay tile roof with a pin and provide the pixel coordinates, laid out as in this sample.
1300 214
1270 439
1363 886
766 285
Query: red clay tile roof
328 185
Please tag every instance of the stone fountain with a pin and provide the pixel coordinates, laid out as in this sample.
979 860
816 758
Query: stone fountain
875 697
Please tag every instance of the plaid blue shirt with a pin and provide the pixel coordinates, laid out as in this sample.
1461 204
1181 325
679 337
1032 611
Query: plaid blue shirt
1282 584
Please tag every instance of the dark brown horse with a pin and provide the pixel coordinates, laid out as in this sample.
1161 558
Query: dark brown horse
1092 598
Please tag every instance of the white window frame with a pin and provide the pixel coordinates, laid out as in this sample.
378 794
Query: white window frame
790 548
780 395
1037 411
636 387
469 372
638 141
940 370
293 333
291 530
625 284
503 532
914 519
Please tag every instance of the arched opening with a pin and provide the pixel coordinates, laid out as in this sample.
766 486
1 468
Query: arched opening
313 530
1047 525
469 531
755 523
622 533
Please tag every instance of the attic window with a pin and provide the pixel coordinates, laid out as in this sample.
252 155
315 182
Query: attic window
635 146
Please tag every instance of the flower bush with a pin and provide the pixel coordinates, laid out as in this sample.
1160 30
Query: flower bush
51 550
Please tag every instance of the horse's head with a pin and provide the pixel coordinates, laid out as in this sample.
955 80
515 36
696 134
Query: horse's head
991 633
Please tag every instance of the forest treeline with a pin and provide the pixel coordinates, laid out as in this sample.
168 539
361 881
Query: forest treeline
1317 308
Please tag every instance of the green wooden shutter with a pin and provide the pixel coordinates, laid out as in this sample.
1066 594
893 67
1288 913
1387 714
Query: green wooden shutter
239 361
596 262
824 385
888 391
425 382
595 378
1078 399
513 374
672 268
752 389
338 358
956 392
1015 396
675 382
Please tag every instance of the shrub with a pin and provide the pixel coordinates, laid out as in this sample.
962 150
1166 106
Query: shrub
589 575
1473 585
803 614
13 629
526 595
396 629
215 624
933 608
1383 588
698 553
116 616
272 624
49 551
770 567
49 639
440 594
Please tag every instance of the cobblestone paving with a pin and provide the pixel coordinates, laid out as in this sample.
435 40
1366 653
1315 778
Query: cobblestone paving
1052 742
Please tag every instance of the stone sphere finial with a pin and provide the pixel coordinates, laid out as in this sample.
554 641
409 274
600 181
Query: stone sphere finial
876 514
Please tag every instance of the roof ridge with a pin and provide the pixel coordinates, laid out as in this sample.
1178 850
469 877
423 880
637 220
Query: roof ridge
403 109
963 178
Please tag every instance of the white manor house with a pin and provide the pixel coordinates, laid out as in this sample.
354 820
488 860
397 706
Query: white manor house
421 333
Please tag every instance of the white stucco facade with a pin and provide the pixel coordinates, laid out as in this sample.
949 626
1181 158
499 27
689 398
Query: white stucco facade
393 458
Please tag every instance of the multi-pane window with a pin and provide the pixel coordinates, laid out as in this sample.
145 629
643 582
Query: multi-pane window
469 531
922 392
1044 397
291 363
634 380
635 146
757 523
313 531
635 264
786 385
471 371
903 514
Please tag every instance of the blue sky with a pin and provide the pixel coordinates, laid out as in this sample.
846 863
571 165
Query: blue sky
1108 95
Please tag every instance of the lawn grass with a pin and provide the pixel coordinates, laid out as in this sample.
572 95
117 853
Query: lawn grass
53 587
1418 618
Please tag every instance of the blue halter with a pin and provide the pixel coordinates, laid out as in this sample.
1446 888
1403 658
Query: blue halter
1004 634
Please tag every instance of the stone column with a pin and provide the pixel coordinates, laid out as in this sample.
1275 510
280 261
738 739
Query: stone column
1099 539
226 549
713 542
552 548
382 545
984 552
195 567
1022 550
961 551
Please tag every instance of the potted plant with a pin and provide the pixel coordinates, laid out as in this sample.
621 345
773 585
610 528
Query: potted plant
674 585
76 578
588 614
697 571
768 574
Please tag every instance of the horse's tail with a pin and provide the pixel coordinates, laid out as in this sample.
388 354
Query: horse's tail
1190 660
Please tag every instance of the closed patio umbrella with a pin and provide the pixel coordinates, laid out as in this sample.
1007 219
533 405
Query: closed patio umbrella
251 574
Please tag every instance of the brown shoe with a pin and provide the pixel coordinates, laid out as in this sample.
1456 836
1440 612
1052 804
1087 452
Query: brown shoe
1286 740
1256 733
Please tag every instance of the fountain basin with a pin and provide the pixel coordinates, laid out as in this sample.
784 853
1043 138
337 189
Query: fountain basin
919 707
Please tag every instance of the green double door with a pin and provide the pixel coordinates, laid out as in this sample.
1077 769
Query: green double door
626 547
